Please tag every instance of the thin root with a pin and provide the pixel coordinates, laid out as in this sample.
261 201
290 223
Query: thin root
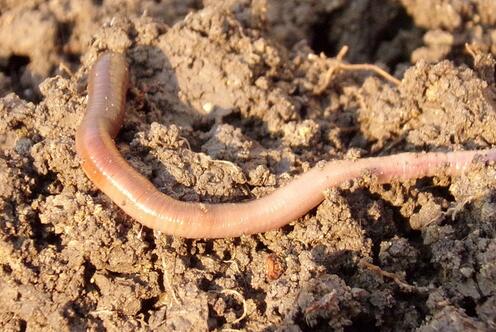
370 67
238 294
101 312
234 263
185 140
338 64
402 284
470 49
168 283
227 162
64 67
454 210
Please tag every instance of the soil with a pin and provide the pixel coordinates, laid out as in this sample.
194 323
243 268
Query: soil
228 101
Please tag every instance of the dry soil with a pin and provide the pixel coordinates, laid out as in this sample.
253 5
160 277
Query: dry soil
228 101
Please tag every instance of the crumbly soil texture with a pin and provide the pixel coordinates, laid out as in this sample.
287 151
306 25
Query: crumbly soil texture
228 101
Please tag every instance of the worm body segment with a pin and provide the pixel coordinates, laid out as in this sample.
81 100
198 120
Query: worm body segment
133 193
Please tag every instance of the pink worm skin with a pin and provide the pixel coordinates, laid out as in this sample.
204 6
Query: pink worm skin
137 196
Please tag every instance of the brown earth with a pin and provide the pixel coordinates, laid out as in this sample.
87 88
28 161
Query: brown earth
255 83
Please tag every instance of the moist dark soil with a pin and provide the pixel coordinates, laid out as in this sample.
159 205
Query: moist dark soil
228 101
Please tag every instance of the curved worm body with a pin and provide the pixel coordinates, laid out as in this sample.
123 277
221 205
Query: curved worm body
132 192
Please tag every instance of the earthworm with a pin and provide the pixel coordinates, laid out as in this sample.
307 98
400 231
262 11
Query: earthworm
138 197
